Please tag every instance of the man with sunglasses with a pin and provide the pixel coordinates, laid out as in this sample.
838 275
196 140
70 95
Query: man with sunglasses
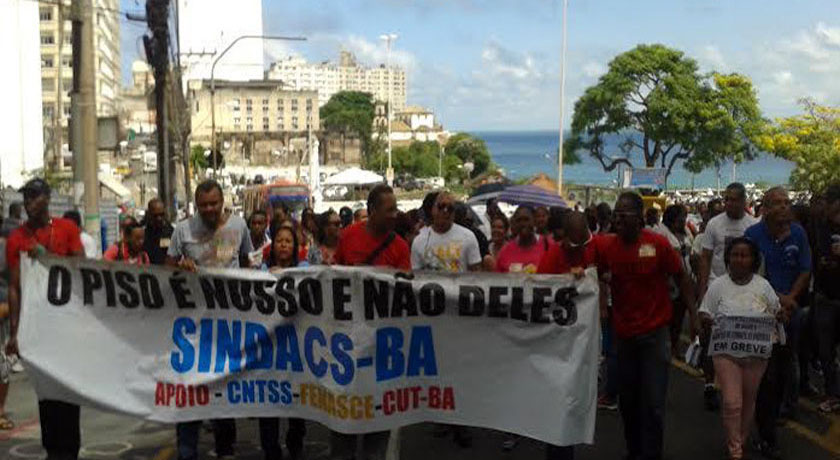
444 245
640 263
41 234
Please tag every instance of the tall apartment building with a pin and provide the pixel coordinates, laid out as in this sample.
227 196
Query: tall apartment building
107 59
329 78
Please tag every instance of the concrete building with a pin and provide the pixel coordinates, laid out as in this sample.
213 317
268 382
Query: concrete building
207 27
329 78
135 110
107 59
408 125
260 118
21 129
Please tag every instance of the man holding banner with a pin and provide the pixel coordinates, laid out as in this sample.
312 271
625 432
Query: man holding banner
371 242
641 263
210 239
40 234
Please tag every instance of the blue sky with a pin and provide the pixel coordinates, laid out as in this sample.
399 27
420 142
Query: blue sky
494 64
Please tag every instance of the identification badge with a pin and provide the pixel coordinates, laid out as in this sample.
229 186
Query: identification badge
647 250
164 242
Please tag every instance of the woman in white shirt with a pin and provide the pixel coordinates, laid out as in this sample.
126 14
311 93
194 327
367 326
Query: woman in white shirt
742 309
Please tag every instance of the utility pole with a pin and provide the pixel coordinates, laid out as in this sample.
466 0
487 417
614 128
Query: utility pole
58 116
389 38
157 52
84 74
562 102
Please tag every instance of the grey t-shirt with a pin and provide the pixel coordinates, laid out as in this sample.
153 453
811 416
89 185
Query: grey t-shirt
219 248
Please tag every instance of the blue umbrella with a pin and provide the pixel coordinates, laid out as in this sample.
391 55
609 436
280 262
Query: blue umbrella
532 196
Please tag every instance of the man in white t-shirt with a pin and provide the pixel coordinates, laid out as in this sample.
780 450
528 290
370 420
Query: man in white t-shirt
720 230
444 245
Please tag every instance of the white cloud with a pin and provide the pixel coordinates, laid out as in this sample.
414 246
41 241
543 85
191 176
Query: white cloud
594 69
829 35
783 78
711 58
502 61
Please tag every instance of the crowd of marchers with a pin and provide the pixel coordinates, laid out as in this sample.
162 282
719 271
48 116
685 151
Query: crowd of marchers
668 278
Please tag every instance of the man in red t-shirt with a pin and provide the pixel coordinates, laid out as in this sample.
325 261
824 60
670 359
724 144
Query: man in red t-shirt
373 242
575 254
640 263
40 234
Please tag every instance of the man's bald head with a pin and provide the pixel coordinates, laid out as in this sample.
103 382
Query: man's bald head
776 207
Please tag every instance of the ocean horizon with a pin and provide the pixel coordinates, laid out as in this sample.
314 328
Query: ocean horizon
523 154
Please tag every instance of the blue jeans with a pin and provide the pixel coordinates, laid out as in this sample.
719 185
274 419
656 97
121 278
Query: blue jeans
224 432
643 365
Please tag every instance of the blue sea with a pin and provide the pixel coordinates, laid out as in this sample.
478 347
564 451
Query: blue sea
524 154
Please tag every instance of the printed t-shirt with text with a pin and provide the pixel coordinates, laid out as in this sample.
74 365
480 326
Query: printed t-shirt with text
514 258
60 237
355 245
639 280
453 251
220 248
720 231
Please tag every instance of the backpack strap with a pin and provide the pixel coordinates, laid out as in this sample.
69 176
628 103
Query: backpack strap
384 245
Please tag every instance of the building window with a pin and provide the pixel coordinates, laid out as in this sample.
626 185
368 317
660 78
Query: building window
265 126
250 120
279 126
280 104
265 102
308 105
46 62
237 120
47 84
48 111
47 39
265 109
67 62
248 102
45 14
250 127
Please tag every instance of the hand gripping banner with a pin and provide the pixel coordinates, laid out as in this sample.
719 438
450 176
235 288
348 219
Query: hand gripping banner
357 349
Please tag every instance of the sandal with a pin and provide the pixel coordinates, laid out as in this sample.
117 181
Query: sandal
6 423
830 405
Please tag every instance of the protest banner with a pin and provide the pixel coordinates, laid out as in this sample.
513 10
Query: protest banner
357 349
743 336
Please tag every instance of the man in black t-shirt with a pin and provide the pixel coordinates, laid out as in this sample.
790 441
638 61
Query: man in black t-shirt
158 232
827 294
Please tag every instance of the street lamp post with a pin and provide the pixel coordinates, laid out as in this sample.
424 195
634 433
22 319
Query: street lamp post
213 89
389 38
562 103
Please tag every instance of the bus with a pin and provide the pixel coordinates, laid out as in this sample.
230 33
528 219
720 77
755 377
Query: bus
294 197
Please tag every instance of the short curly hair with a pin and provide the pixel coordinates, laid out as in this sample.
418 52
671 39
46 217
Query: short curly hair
754 250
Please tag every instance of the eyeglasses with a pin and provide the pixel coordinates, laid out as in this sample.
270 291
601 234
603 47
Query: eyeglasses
445 207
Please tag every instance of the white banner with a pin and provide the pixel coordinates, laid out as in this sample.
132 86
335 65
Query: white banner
356 349
743 336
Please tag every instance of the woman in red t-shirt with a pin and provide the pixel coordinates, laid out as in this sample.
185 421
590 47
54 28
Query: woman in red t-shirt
524 253
130 249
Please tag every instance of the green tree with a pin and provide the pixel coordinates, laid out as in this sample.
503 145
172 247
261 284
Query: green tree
351 112
467 148
197 159
655 98
420 159
811 141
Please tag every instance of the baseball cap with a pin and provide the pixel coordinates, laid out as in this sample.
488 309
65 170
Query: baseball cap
35 187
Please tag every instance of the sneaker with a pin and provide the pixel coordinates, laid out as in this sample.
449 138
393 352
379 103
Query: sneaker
510 444
16 365
607 403
768 451
711 398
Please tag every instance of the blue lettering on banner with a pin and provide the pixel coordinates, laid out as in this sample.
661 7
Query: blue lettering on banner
259 392
222 345
312 335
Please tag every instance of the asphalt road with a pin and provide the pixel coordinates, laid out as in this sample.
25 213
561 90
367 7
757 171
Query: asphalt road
691 433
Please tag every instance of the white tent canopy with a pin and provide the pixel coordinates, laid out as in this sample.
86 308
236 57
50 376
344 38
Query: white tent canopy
354 176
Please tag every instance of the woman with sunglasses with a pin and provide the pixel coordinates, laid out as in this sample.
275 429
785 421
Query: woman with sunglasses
329 230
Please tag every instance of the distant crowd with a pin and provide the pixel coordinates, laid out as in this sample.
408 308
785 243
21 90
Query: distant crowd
669 277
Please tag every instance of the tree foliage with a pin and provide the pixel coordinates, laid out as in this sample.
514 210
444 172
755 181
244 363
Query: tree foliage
420 159
350 112
655 98
811 141
467 148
